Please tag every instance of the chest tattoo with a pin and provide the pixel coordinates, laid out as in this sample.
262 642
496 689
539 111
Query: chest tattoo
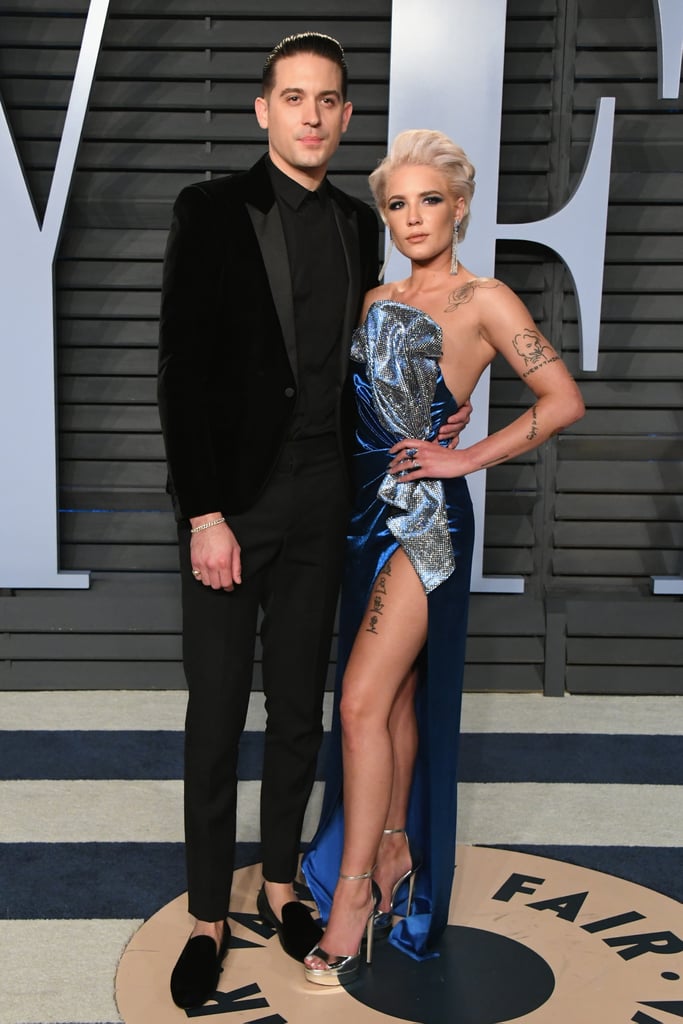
464 294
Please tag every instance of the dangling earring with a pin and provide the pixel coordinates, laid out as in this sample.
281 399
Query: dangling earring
390 249
454 248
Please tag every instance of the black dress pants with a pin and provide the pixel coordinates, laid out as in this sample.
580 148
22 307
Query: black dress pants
292 543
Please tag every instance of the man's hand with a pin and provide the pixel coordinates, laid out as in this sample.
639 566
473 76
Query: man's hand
451 429
215 555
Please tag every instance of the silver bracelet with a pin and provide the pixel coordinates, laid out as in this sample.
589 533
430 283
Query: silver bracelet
205 526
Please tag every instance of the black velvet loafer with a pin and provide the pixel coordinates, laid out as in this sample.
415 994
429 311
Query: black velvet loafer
196 973
297 931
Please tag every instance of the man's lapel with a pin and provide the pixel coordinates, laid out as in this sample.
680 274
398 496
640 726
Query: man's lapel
265 217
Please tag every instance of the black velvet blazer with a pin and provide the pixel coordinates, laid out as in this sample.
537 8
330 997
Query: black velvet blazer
227 351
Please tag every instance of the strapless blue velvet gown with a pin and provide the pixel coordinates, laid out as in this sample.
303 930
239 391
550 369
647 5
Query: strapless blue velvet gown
400 393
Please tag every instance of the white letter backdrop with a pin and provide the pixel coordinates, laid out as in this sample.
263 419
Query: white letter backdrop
28 430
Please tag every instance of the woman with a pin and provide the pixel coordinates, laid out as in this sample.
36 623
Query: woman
424 343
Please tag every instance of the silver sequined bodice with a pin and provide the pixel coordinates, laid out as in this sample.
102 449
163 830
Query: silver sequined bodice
400 347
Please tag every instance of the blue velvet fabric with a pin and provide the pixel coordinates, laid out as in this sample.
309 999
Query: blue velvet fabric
397 342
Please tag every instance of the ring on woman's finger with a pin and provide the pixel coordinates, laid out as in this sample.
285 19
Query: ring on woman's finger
416 464
196 573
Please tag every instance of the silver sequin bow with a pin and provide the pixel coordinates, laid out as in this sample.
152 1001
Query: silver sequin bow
400 346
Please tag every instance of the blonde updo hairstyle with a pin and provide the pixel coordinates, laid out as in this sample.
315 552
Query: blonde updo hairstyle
422 146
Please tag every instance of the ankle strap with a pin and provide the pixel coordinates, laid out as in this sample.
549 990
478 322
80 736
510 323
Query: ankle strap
393 831
356 878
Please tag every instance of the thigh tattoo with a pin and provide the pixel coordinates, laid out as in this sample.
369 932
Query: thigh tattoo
377 603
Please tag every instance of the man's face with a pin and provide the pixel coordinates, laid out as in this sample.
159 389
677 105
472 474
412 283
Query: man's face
305 116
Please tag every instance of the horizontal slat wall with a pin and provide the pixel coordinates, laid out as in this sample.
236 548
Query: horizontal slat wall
648 636
620 483
172 102
587 519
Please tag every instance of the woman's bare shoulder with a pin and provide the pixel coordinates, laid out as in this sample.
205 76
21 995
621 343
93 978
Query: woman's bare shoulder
483 290
383 291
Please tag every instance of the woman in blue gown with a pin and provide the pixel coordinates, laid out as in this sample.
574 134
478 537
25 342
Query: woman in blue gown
389 813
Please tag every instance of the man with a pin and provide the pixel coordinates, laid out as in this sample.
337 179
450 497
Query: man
263 281
264 276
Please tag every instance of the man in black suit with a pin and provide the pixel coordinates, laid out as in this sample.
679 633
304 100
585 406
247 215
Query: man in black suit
264 276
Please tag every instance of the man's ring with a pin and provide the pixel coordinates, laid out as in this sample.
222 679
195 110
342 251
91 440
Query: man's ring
196 573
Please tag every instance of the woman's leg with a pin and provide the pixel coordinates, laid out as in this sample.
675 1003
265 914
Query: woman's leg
391 635
393 856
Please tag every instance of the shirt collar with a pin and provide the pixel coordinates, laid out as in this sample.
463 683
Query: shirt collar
291 191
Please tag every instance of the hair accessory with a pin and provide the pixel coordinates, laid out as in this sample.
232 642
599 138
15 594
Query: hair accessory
205 526
390 249
454 248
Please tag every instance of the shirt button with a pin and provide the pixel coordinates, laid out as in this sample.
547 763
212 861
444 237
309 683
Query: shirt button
289 392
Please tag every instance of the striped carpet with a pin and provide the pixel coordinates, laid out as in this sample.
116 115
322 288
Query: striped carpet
91 833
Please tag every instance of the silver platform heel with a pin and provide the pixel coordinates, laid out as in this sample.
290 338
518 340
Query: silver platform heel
341 969
382 921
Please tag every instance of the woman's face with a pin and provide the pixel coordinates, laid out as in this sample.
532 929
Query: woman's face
420 211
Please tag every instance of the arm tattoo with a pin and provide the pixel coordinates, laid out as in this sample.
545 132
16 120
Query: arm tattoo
534 425
529 345
462 295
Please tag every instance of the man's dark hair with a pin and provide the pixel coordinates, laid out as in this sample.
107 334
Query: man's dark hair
305 42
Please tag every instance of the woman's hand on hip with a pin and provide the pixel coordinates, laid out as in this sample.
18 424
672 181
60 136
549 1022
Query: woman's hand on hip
418 460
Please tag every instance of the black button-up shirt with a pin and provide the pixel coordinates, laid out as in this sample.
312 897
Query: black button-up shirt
319 289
